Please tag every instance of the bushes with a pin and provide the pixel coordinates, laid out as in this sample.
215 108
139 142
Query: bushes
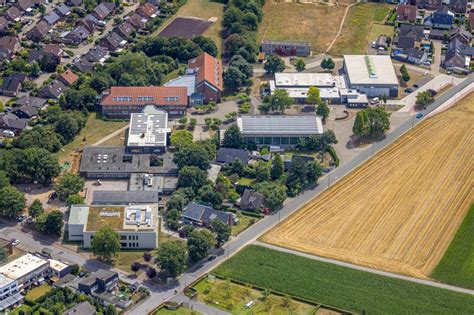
334 156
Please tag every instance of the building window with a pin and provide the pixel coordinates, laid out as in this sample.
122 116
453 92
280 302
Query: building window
123 237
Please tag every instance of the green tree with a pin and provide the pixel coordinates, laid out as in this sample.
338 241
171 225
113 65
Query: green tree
379 120
277 167
68 184
35 70
263 171
361 124
300 65
274 64
36 208
194 154
199 244
327 139
181 138
3 255
110 310
4 180
106 243
43 137
327 63
313 97
323 111
192 176
51 223
74 199
280 100
221 230
313 171
274 193
171 258
208 194
233 137
405 75
206 44
42 9
12 201
423 99
234 78
297 176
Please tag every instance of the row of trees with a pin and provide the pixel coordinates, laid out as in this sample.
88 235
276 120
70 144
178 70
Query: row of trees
405 75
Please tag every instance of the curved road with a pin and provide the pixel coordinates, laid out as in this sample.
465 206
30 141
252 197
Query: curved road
160 294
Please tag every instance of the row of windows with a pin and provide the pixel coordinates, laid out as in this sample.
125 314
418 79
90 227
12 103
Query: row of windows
122 98
273 140
129 245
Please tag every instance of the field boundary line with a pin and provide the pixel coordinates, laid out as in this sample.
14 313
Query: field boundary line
340 27
366 269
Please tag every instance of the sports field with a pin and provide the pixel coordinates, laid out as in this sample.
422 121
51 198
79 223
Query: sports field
315 23
400 210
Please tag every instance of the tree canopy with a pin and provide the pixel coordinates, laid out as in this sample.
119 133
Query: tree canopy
36 208
181 138
68 184
274 64
51 223
12 201
171 258
233 137
221 230
199 244
106 243
275 194
371 122
192 176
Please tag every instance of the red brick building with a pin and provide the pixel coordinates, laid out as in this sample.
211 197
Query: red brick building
208 71
120 101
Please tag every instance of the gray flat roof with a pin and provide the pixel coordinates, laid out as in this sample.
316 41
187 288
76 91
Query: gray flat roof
373 69
280 125
115 160
124 197
148 129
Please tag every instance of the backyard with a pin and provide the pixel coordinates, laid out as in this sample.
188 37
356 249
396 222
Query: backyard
35 293
354 37
315 23
338 286
245 222
179 311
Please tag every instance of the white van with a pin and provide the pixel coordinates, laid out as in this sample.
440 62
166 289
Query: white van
8 133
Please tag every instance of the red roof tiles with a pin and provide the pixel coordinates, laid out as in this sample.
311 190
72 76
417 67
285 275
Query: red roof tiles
69 77
207 69
145 95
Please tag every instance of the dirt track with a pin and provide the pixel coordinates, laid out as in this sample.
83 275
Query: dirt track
399 211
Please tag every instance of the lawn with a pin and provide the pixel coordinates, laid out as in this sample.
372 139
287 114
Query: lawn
245 222
380 29
457 265
232 297
206 9
117 140
38 292
124 259
354 37
339 286
94 130
317 24
179 311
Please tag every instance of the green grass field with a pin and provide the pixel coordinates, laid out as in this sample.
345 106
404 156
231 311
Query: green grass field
339 286
354 37
179 311
457 265
38 292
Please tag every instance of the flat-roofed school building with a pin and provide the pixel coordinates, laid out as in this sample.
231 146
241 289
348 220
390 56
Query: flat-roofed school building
282 131
286 48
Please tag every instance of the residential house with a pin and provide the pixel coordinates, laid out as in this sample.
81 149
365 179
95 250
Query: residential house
9 45
30 100
429 5
208 72
100 280
52 18
438 34
12 122
137 21
458 6
97 54
62 10
26 270
461 34
68 78
458 56
124 30
3 25
251 200
38 56
83 65
52 90
13 14
417 56
89 22
13 84
83 308
76 36
74 3
406 13
58 268
112 42
229 155
24 5
121 101
147 10
404 42
53 49
103 10
441 19
201 215
415 31
471 20
39 31
381 43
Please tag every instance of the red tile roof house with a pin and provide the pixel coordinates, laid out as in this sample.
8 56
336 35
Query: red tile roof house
9 45
121 101
146 10
406 13
208 71
68 78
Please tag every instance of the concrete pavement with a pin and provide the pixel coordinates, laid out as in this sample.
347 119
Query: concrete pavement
365 269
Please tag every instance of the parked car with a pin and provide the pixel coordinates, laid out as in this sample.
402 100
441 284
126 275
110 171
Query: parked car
14 242
212 257
408 90
432 92
21 217
8 133
416 86
419 115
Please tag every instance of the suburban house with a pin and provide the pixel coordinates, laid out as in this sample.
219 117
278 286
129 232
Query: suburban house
9 45
429 5
417 56
251 200
406 13
229 155
31 101
458 56
24 5
52 90
208 72
3 25
13 84
282 131
26 111
415 31
285 48
148 131
403 43
74 3
68 78
52 18
458 6
89 22
441 19
39 31
83 65
381 43
112 42
13 14
121 101
103 10
461 34
76 36
62 10
137 225
39 55
201 215
137 21
124 30
97 54
82 308
53 49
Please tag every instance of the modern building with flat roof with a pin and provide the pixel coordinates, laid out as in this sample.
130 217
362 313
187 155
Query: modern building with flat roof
115 163
286 48
372 75
26 270
148 131
283 131
137 225
114 197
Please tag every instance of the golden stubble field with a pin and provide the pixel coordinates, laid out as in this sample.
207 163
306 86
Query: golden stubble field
399 211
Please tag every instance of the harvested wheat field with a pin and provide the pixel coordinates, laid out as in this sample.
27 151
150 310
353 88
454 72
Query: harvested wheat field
400 210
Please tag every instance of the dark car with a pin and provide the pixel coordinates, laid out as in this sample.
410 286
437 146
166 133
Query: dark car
432 92
408 90
416 86
212 257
